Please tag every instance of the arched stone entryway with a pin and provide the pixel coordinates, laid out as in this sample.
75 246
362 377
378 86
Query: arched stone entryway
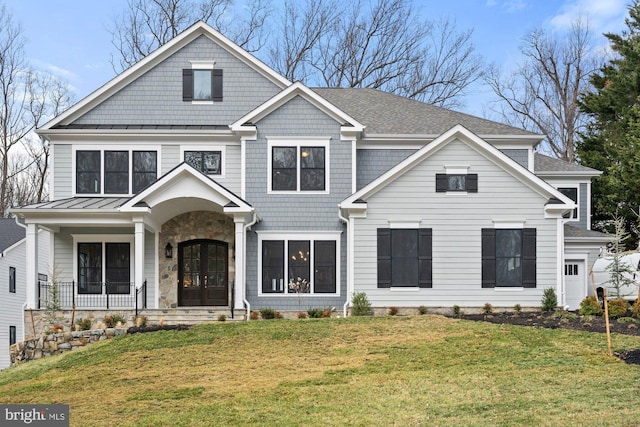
192 226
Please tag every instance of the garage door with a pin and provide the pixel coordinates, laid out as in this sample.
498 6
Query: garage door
574 283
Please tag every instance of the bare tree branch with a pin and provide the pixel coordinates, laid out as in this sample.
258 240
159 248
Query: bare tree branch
541 95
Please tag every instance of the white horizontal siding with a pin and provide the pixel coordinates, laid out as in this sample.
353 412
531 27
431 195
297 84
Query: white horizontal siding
456 221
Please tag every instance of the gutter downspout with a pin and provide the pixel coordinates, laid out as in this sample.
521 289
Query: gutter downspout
349 223
244 262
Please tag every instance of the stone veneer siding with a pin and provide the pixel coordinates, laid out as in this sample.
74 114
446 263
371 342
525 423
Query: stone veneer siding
183 228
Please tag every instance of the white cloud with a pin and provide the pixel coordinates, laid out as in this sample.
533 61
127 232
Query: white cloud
602 15
514 5
55 70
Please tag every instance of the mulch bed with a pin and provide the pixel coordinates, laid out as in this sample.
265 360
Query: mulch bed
154 328
566 320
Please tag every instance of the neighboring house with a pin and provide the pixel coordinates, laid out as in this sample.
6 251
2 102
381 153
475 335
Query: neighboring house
13 283
201 177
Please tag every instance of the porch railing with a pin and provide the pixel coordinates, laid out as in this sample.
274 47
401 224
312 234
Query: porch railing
66 295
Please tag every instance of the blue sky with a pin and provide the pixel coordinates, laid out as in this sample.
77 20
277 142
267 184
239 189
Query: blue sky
70 37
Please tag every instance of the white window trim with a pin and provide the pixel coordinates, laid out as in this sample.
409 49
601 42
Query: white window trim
207 147
286 236
298 142
577 187
102 149
202 65
456 170
102 239
505 224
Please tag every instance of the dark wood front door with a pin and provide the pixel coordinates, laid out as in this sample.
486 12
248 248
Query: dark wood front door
203 273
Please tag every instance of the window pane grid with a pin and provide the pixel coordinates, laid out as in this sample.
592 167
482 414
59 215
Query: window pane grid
295 168
302 257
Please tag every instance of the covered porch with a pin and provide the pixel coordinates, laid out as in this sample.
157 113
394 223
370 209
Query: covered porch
178 243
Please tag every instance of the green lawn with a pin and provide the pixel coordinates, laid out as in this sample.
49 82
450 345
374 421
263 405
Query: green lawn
404 371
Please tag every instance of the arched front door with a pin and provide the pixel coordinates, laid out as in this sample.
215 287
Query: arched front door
203 273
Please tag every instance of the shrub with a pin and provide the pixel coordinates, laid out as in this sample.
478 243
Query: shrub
267 313
617 308
278 315
108 321
112 320
393 311
456 311
361 304
84 324
517 308
326 312
254 315
302 315
628 320
314 313
222 318
549 300
590 306
142 321
422 310
487 308
635 309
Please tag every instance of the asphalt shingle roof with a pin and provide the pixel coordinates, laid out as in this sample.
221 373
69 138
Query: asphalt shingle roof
10 233
386 113
571 231
549 164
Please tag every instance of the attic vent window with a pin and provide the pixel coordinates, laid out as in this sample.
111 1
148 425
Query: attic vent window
201 85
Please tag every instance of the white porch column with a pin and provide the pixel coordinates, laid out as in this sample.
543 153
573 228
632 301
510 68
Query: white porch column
31 275
239 221
138 268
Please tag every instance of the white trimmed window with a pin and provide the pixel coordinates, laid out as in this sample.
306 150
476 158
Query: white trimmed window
208 159
288 258
117 171
299 165
573 194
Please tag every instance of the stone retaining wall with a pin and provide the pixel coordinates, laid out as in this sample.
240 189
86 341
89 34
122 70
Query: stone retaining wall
52 344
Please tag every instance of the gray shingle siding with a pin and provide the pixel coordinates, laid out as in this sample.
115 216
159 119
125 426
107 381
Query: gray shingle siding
520 156
373 163
296 212
62 171
156 96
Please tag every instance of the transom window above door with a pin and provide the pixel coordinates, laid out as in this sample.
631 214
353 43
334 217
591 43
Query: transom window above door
298 166
119 171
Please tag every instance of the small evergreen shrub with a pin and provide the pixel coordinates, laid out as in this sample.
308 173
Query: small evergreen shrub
456 311
84 324
590 306
487 308
361 304
422 310
222 318
392 311
314 313
267 313
549 300
617 308
111 321
517 308
254 315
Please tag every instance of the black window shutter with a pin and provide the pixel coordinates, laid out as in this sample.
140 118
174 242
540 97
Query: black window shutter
425 251
441 182
529 257
216 85
384 258
488 257
187 84
472 183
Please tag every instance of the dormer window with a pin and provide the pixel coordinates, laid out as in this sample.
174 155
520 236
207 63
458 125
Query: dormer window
202 82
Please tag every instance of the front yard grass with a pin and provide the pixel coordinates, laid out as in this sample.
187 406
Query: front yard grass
404 371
